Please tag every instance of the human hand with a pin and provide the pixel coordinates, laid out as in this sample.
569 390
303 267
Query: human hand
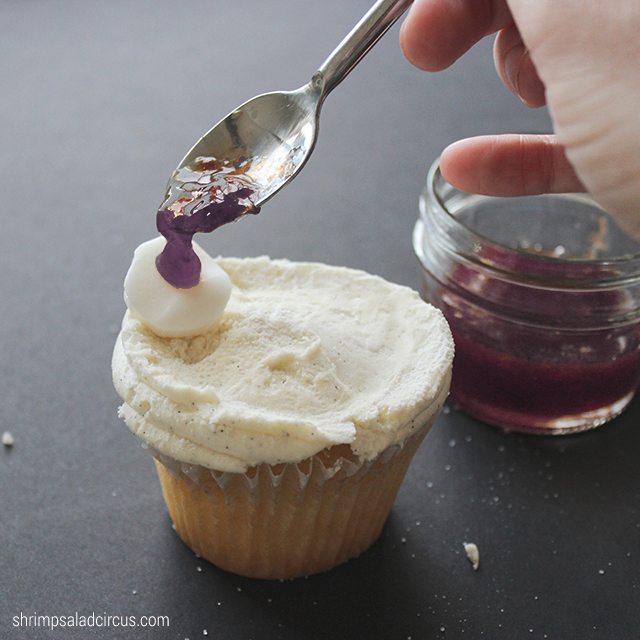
582 58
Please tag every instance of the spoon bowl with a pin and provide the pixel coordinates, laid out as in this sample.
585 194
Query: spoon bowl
270 137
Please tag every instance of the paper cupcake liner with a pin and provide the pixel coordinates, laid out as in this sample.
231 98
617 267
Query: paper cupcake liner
286 520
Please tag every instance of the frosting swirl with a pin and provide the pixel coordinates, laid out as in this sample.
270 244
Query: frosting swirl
305 356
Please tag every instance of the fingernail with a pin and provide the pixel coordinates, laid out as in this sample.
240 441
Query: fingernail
522 76
512 65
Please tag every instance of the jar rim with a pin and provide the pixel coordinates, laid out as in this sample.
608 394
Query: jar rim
628 266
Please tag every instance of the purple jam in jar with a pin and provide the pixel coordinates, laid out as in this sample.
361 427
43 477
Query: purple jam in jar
543 298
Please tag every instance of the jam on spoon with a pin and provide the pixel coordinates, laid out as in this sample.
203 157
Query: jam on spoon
202 196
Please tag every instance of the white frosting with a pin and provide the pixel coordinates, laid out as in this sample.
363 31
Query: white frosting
306 356
166 310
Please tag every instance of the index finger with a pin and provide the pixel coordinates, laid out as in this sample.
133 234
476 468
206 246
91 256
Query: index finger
437 32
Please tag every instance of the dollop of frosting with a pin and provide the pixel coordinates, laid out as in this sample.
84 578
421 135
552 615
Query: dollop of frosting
306 356
170 312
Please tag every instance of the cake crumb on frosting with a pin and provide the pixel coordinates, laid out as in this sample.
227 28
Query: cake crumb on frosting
7 439
473 554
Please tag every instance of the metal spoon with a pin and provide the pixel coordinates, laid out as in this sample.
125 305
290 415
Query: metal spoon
273 134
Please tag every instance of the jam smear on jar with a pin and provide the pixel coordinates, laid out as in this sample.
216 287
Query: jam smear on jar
523 373
508 390
202 196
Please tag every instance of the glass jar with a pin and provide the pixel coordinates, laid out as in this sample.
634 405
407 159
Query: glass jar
542 294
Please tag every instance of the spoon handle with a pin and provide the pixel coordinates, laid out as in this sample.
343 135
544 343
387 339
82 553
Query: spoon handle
357 43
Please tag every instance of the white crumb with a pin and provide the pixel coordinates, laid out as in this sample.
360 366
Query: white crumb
473 554
7 439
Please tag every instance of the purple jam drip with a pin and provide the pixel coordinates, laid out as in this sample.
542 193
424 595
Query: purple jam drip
178 263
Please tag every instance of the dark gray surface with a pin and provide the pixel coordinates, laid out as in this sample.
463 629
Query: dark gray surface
99 101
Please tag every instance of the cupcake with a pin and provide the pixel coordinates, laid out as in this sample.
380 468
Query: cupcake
282 402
